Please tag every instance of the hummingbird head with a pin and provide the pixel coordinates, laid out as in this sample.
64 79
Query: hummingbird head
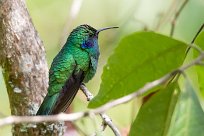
87 37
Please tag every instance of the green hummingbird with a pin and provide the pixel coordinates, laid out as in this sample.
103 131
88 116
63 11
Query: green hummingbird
75 63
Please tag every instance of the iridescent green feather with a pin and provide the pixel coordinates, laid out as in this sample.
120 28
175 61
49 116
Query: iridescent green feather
61 68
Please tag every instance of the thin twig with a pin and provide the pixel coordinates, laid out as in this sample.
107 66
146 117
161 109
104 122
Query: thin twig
173 23
197 48
106 119
194 38
164 17
38 119
200 63
88 94
201 28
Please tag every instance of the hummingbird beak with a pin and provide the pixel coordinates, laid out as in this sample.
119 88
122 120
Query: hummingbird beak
106 28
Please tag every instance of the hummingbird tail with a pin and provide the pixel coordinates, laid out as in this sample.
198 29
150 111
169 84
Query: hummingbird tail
47 105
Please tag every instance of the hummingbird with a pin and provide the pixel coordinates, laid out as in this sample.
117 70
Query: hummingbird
75 63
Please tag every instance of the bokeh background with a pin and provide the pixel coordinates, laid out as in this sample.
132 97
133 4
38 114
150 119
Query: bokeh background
55 19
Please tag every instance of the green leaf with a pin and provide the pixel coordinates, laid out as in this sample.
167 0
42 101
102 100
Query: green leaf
155 115
200 40
139 58
200 69
188 118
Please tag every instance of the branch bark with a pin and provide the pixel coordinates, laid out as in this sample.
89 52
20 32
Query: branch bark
22 57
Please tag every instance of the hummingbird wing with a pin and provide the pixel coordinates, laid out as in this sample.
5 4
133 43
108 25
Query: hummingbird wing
68 92
63 83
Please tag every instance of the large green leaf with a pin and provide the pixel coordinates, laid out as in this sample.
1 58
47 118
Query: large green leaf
200 69
188 118
139 58
155 115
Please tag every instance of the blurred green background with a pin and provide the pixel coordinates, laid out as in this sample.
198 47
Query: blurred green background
55 19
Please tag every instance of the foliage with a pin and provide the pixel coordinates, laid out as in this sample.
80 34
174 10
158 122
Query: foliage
140 58
161 106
